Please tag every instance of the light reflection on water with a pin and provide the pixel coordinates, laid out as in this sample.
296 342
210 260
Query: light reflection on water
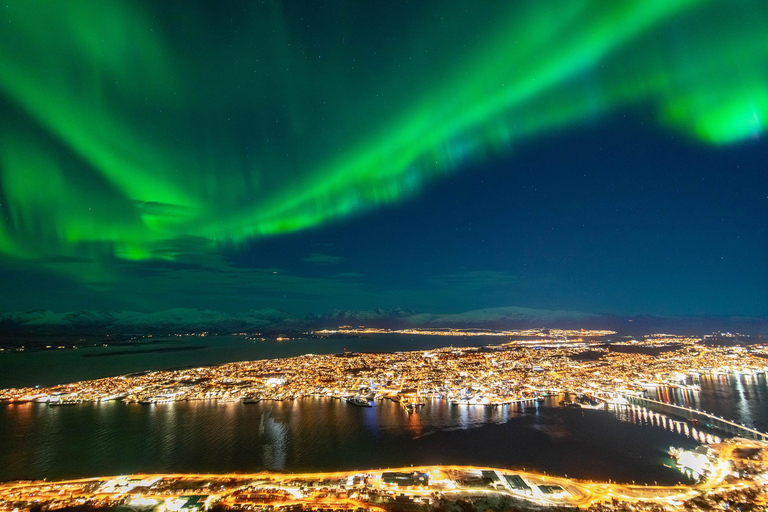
641 416
621 443
324 434
738 397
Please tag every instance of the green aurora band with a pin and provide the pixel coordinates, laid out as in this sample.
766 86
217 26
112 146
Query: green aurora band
136 131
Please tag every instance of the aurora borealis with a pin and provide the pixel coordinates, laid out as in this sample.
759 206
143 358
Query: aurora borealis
139 135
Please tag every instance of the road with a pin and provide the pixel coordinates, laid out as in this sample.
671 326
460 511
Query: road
286 489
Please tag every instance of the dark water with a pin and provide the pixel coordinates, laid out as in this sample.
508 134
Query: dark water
324 434
741 398
623 444
49 367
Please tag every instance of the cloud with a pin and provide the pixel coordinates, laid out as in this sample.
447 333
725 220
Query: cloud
349 274
475 280
323 259
211 281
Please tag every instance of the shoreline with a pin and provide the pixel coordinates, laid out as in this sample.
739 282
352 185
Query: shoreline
359 487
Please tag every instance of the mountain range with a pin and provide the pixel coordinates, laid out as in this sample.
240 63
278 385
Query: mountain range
41 322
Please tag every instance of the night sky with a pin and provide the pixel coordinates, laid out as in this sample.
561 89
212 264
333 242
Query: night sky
605 157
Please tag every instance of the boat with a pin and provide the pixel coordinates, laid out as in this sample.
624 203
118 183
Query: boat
250 400
358 401
64 402
589 402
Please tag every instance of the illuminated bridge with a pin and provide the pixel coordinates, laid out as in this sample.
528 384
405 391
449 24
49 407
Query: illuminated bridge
704 417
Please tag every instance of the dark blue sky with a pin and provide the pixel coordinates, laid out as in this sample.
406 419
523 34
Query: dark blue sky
610 217
428 155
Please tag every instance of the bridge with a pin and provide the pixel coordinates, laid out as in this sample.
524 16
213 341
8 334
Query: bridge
708 419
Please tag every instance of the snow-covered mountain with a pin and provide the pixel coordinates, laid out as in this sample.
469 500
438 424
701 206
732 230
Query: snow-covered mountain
172 320
387 318
502 318
506 316
195 320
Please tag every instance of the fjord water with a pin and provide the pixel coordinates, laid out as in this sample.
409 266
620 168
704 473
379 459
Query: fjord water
739 397
321 434
54 366
37 441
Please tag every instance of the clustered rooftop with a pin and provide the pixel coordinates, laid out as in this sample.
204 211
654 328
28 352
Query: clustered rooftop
491 375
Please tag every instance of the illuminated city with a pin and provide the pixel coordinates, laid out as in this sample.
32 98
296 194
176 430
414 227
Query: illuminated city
729 470
413 256
493 375
734 473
